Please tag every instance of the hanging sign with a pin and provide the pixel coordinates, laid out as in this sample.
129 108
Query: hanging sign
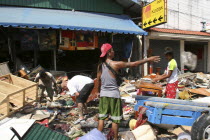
47 39
154 14
29 39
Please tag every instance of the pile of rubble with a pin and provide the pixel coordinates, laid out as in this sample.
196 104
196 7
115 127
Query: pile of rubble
59 114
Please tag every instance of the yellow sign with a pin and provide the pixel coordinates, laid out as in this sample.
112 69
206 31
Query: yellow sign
154 13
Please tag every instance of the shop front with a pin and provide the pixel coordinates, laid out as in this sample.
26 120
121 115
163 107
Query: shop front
190 48
63 40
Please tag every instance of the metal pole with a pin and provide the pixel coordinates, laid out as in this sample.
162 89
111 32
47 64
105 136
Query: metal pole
181 53
55 66
145 55
9 47
145 66
140 52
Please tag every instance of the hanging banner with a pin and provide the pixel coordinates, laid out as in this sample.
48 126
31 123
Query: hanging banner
78 40
47 40
154 14
68 41
29 39
85 40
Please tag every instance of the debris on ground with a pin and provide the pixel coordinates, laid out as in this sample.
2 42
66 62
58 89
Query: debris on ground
59 115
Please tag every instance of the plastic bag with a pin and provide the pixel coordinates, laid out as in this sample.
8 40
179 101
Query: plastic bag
93 135
190 60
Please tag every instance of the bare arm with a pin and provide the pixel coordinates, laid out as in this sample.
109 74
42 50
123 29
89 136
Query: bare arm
122 64
37 78
76 94
52 78
98 81
164 76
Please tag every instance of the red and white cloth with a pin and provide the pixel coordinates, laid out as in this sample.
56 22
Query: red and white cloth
171 90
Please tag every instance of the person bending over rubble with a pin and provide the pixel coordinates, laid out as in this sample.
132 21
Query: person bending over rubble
110 102
46 82
171 74
81 87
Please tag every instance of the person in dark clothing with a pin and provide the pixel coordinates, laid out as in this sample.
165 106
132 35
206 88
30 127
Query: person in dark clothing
46 82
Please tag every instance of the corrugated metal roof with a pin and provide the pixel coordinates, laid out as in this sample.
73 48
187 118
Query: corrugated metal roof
63 19
174 31
40 132
130 5
105 6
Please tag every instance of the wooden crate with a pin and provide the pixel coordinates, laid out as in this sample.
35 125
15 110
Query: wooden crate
15 92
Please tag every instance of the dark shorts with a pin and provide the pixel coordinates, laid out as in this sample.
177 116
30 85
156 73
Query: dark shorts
84 93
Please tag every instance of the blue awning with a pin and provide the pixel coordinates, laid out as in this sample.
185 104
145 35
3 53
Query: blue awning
67 20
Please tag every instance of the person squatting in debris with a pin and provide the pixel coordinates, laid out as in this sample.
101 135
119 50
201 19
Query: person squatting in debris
81 87
171 74
47 82
110 102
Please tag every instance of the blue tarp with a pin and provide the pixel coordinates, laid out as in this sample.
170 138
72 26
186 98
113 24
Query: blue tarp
67 20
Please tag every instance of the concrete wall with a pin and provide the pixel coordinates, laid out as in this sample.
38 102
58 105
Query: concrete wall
187 14
158 47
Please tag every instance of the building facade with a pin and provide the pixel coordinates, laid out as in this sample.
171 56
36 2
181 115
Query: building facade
183 32
66 35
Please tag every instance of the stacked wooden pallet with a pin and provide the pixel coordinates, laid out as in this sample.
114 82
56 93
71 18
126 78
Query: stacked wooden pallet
15 92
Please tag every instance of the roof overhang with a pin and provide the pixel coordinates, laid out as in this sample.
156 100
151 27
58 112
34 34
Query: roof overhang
179 35
132 7
67 20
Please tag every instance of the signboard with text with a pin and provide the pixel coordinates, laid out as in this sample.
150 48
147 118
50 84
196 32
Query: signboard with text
154 13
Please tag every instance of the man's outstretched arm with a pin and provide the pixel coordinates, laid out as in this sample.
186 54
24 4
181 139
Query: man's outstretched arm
121 64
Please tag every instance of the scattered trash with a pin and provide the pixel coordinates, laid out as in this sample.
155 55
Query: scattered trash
93 135
184 136
61 113
144 132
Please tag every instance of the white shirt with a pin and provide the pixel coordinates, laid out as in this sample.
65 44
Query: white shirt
76 83
172 65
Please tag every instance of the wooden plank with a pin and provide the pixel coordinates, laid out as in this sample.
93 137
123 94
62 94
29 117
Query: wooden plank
21 82
177 112
175 120
201 91
2 97
23 100
6 78
35 85
10 79
148 85
7 111
16 93
167 100
7 88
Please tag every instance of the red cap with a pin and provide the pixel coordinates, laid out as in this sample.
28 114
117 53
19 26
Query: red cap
105 48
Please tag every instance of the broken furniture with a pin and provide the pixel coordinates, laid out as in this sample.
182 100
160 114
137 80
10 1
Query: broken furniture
143 86
15 92
27 129
174 111
171 111
200 91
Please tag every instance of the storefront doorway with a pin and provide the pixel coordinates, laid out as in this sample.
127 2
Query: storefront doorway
200 50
